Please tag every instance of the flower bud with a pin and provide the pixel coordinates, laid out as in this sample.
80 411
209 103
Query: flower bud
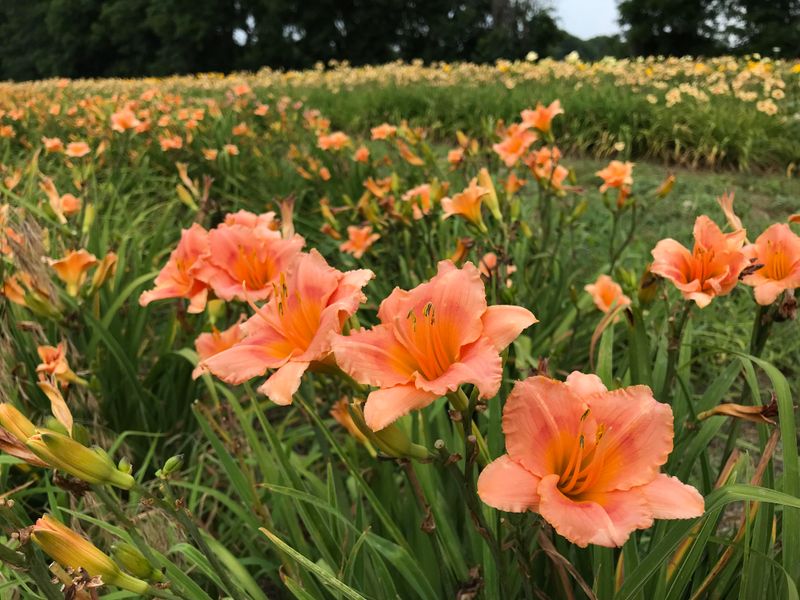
173 464
75 552
390 440
134 562
490 200
105 270
14 422
89 465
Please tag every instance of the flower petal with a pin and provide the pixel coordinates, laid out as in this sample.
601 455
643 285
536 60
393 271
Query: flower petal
507 485
502 324
605 520
480 365
638 436
245 360
670 498
374 357
385 406
541 422
584 384
284 382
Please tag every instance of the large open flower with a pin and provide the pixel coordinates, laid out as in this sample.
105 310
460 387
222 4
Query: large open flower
778 250
587 459
711 269
430 340
294 328
179 277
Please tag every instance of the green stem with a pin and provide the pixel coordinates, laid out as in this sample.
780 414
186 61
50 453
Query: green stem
674 348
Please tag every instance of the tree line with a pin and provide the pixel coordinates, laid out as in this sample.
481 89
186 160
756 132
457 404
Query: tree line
119 38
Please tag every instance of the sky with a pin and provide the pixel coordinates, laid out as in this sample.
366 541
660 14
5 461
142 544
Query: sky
587 18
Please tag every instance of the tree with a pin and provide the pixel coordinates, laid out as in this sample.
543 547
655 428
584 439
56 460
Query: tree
767 26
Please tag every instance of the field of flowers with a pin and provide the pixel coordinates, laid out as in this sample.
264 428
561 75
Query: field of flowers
402 332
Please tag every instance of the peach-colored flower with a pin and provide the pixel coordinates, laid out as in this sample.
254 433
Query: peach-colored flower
541 117
62 206
231 149
261 110
294 328
467 204
333 141
178 278
408 155
52 144
54 363
420 197
429 341
246 256
211 344
240 129
170 142
513 184
489 267
73 268
515 144
124 119
617 175
77 149
543 163
711 269
325 174
361 154
588 460
378 188
607 294
383 131
359 240
455 156
241 89
794 218
778 250
210 153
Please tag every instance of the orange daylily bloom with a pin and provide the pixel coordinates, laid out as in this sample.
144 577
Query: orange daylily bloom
617 175
52 144
359 240
588 460
54 363
73 268
378 188
794 218
123 120
294 329
62 206
541 117
361 154
211 344
170 142
77 149
383 131
261 110
240 129
513 184
467 204
778 250
489 267
420 197
408 155
246 256
179 277
454 157
515 144
607 294
333 141
543 163
711 269
210 153
430 340
231 149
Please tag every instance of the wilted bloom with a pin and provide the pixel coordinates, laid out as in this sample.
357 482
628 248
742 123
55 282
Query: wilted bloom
607 294
54 363
711 269
383 131
294 328
588 460
178 278
359 239
467 204
430 340
333 141
361 154
726 204
778 251
52 144
541 117
246 256
75 552
341 414
211 344
617 175
124 119
77 149
515 145
72 269
65 454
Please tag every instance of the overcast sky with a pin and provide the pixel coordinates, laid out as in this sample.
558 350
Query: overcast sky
587 18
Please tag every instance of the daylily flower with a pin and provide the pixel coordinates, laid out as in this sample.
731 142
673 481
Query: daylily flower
333 141
420 197
541 117
62 206
383 131
124 119
52 144
430 340
455 156
711 269
178 278
77 149
617 175
359 240
544 165
72 269
515 144
467 204
361 154
294 329
588 460
778 250
246 256
54 363
607 294
231 149
211 344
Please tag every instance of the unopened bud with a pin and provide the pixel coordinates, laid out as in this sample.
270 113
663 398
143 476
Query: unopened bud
134 562
173 464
